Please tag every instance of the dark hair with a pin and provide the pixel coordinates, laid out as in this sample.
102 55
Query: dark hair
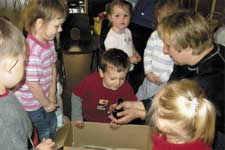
122 3
115 57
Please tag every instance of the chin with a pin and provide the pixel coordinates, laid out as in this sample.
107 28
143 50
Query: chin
51 38
114 89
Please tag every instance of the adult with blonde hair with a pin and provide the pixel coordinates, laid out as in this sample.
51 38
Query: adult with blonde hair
183 116
189 41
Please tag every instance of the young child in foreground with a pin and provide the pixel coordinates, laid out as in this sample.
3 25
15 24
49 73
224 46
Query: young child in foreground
157 65
92 97
119 36
184 118
42 20
15 125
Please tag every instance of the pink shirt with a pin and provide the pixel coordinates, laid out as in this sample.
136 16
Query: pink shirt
42 57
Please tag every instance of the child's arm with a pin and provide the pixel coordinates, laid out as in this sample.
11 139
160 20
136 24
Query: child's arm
164 77
39 94
77 110
153 78
52 89
148 54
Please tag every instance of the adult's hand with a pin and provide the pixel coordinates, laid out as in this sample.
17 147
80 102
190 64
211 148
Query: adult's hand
132 110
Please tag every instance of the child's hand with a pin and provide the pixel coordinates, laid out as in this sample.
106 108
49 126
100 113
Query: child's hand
66 120
51 107
46 144
114 125
154 78
79 124
132 110
134 59
137 56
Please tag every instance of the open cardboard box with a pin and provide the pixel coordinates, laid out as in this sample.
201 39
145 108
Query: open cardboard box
101 135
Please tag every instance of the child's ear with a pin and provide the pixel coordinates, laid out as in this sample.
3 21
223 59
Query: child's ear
39 24
7 65
109 17
101 74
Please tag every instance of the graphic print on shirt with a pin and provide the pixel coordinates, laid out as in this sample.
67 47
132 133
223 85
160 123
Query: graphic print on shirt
102 103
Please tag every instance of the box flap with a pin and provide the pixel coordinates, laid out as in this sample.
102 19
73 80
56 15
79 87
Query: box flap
63 136
75 148
101 134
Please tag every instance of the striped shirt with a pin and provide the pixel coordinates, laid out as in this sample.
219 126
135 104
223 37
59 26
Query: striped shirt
155 60
42 57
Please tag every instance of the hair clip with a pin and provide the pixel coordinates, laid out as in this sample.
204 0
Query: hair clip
195 102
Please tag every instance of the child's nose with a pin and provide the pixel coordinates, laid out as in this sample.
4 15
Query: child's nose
118 82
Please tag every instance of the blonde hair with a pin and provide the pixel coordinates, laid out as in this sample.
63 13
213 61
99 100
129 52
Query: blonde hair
12 41
182 104
187 30
166 6
44 9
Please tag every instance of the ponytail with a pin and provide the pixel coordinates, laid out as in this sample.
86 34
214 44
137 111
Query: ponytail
205 122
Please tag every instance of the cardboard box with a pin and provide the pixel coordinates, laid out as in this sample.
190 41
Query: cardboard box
101 135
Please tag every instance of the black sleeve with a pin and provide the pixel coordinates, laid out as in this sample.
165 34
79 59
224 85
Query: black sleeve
147 103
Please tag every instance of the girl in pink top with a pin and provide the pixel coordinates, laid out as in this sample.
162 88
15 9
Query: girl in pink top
42 20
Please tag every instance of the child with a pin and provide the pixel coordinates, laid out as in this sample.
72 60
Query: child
157 65
92 97
219 35
119 36
184 118
15 125
37 94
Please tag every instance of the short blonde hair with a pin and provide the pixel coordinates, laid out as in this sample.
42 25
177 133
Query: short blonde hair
44 9
166 6
183 105
12 41
187 30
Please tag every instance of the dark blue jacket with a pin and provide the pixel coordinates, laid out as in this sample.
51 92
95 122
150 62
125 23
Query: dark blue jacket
144 13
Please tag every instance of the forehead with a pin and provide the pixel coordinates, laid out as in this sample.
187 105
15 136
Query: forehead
57 20
120 8
112 71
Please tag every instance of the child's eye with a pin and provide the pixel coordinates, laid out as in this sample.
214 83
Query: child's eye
117 15
122 79
126 15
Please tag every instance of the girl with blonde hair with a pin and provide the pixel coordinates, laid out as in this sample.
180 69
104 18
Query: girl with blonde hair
184 118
